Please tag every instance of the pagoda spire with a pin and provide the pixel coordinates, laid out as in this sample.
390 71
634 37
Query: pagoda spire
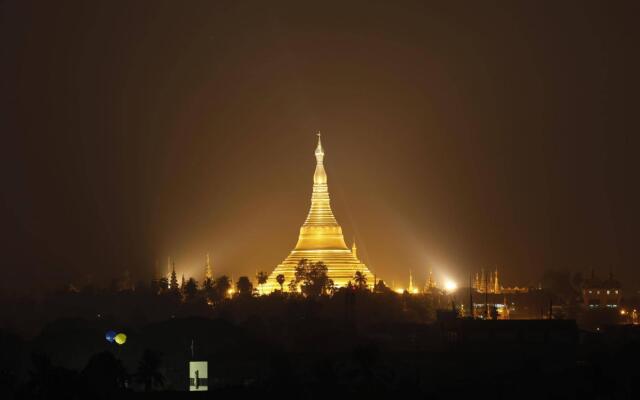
320 229
431 283
320 175
490 277
410 282
319 149
207 269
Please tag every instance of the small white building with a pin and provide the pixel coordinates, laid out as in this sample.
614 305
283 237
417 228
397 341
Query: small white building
198 376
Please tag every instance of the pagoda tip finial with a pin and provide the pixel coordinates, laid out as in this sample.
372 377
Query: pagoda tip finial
319 150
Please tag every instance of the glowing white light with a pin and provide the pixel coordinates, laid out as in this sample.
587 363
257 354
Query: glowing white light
450 285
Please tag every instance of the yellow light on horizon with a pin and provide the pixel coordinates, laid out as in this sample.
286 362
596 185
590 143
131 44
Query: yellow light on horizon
399 290
450 285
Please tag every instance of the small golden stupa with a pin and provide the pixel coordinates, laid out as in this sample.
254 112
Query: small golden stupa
321 239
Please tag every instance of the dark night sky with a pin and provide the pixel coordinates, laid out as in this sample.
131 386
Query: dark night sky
458 136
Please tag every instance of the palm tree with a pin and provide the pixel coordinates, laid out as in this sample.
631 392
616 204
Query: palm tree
293 286
360 279
280 279
191 289
207 290
105 374
244 286
262 279
49 381
148 372
221 287
207 284
301 270
173 282
331 287
163 284
313 276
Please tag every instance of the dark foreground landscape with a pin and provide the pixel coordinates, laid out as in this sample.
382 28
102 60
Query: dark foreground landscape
353 344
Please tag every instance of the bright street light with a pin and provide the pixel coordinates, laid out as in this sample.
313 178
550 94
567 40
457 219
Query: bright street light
450 285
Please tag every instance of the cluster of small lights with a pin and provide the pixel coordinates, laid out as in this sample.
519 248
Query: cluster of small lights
449 286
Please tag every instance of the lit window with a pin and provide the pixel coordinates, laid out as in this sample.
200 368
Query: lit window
616 292
590 291
608 292
598 292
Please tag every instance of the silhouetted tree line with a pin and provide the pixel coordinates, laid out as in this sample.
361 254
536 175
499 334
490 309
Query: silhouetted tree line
359 340
103 377
310 280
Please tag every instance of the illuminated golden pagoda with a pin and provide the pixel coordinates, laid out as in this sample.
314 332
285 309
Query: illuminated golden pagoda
321 238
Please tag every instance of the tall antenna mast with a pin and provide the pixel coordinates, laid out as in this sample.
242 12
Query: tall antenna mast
470 297
486 296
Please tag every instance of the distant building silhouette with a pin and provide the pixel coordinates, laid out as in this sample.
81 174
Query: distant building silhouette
597 293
